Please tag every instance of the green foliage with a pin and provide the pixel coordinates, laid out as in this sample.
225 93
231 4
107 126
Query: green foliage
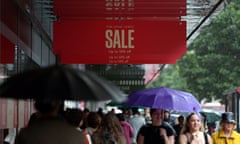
211 65
169 78
214 64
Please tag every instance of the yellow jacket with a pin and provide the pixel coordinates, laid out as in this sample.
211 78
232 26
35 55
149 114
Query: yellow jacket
219 138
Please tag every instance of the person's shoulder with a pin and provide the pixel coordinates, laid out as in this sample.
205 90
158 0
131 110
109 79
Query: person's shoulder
62 132
216 133
166 125
183 137
127 124
146 126
236 133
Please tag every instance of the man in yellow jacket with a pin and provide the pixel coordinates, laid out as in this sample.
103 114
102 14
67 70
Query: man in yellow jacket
226 134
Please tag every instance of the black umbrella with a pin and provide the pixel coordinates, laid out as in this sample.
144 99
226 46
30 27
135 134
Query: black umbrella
60 82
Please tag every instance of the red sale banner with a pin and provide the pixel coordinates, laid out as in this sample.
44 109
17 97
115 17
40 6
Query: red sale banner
119 42
119 31
85 9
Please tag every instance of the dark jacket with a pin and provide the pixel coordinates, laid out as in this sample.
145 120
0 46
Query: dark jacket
50 131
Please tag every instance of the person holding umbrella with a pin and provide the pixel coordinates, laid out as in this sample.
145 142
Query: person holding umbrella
50 127
50 86
156 132
226 134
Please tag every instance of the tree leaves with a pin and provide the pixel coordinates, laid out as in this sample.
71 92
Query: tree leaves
211 65
216 56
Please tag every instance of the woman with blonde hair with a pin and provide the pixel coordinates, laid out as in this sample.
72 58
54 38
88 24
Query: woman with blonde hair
193 132
109 132
226 134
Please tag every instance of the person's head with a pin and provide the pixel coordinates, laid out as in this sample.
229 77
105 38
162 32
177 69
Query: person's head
227 122
146 111
135 111
74 117
49 107
100 110
156 116
93 120
121 116
111 124
181 119
128 113
204 118
113 111
166 114
193 123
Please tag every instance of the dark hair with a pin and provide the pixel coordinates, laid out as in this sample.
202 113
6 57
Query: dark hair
74 116
166 111
86 110
189 116
181 117
121 117
135 110
93 120
47 105
153 110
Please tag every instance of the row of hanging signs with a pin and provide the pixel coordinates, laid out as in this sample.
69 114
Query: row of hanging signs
119 31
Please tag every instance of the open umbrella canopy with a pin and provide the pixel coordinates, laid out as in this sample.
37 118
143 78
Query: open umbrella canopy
121 105
211 115
164 98
60 82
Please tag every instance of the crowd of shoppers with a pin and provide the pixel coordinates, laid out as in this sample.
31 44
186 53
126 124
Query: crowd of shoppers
54 125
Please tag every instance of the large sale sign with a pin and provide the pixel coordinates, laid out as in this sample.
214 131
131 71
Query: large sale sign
119 42
119 31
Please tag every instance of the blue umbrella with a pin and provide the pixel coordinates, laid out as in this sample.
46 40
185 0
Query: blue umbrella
164 98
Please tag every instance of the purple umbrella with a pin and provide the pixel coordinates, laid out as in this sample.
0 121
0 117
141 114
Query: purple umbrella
164 98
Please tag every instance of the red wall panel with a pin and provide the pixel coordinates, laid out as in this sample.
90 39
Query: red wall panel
6 51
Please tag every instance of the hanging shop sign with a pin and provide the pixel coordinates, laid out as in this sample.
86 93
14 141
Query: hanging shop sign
95 9
119 42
